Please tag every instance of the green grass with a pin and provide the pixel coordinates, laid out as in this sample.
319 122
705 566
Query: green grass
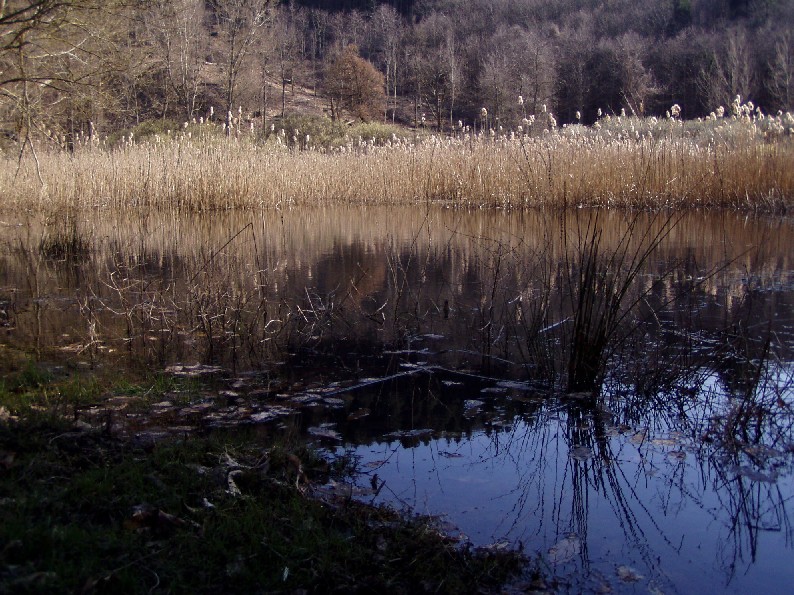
84 511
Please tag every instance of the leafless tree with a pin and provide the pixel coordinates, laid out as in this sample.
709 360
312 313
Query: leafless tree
781 69
238 23
388 26
183 48
731 71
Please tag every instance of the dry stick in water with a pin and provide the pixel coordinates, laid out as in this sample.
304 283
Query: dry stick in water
218 251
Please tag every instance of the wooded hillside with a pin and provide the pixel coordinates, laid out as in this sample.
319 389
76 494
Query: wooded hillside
92 67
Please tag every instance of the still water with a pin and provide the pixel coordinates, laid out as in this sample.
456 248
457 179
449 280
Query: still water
433 348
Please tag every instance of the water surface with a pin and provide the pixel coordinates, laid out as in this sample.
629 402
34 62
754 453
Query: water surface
430 346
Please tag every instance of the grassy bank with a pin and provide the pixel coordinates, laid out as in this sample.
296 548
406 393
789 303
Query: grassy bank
84 511
741 162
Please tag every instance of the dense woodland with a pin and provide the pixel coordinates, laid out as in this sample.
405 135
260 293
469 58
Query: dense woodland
98 68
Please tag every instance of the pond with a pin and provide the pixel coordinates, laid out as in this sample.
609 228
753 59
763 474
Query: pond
614 392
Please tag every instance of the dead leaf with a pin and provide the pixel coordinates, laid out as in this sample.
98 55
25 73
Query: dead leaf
232 488
358 414
581 453
147 517
565 550
324 432
628 575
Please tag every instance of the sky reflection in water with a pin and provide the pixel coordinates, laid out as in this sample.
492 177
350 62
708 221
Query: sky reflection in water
606 504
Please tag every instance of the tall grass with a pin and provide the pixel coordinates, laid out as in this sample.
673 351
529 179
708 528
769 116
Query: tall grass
741 163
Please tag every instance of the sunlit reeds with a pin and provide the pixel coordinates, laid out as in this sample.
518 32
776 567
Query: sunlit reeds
739 162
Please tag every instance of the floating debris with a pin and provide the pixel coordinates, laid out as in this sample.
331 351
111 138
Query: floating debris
565 550
628 575
195 371
271 414
499 546
304 399
469 404
514 385
665 442
678 455
638 437
197 408
424 351
325 431
333 402
756 475
581 453
494 390
358 414
419 433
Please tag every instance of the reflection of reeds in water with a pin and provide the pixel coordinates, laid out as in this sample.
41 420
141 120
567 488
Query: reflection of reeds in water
63 241
503 290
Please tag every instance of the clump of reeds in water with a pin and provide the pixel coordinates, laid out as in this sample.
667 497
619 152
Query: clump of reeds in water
738 160
602 288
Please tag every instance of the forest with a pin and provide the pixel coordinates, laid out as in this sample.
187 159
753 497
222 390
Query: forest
91 68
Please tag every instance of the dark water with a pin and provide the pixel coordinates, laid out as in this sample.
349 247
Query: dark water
433 348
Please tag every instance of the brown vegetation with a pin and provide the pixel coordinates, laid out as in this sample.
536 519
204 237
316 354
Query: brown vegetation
353 84
741 162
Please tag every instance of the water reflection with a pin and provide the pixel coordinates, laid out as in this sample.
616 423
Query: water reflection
613 499
675 475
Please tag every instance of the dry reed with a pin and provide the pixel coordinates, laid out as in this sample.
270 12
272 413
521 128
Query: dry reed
741 163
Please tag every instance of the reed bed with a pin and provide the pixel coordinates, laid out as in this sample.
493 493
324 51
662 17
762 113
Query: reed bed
742 163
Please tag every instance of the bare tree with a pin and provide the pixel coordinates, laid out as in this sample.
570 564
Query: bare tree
519 64
437 69
388 26
238 22
182 39
284 47
731 71
57 62
636 82
781 69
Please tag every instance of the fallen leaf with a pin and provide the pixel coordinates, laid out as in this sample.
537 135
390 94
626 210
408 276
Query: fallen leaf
638 437
628 575
581 453
511 384
565 549
321 432
664 442
232 488
358 414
